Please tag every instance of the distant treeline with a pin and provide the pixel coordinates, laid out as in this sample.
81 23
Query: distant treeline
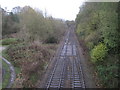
98 26
30 24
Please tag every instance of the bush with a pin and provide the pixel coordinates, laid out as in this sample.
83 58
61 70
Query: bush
9 41
108 74
30 59
90 45
99 52
51 40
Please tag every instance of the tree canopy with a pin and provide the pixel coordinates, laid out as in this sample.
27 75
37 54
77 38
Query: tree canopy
97 24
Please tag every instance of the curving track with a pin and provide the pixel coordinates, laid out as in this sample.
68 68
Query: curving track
67 70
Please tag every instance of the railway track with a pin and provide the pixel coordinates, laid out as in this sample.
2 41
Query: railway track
67 70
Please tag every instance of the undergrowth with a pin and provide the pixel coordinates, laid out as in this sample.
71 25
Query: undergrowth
29 62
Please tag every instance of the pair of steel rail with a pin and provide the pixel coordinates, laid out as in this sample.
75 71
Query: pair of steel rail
68 57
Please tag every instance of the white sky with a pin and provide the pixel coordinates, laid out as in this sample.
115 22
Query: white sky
64 9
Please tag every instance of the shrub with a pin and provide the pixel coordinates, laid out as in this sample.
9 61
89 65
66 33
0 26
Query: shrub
90 45
51 40
30 59
98 53
108 74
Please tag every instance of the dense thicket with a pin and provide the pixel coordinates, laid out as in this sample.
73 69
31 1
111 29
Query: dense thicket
97 24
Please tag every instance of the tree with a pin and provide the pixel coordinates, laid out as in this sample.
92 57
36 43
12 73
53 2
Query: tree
10 23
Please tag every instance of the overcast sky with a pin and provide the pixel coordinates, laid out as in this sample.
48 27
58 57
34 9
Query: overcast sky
64 9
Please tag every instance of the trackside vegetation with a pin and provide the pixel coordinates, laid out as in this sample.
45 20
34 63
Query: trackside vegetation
98 53
97 24
32 39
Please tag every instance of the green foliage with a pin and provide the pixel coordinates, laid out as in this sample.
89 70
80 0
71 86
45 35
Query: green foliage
6 76
108 74
9 41
97 23
101 21
38 27
109 29
93 37
10 23
90 45
98 53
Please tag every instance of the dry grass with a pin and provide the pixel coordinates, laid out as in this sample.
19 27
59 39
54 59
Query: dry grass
31 59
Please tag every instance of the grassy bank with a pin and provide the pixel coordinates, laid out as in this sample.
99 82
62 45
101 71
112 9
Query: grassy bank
29 61
6 76
8 41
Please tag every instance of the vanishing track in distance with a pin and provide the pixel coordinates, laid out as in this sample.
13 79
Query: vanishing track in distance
67 69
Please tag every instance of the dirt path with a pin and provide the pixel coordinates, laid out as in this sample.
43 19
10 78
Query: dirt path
68 69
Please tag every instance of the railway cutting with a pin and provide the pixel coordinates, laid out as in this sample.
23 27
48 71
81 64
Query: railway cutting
65 70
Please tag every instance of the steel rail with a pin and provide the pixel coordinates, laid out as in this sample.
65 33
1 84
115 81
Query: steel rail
75 77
